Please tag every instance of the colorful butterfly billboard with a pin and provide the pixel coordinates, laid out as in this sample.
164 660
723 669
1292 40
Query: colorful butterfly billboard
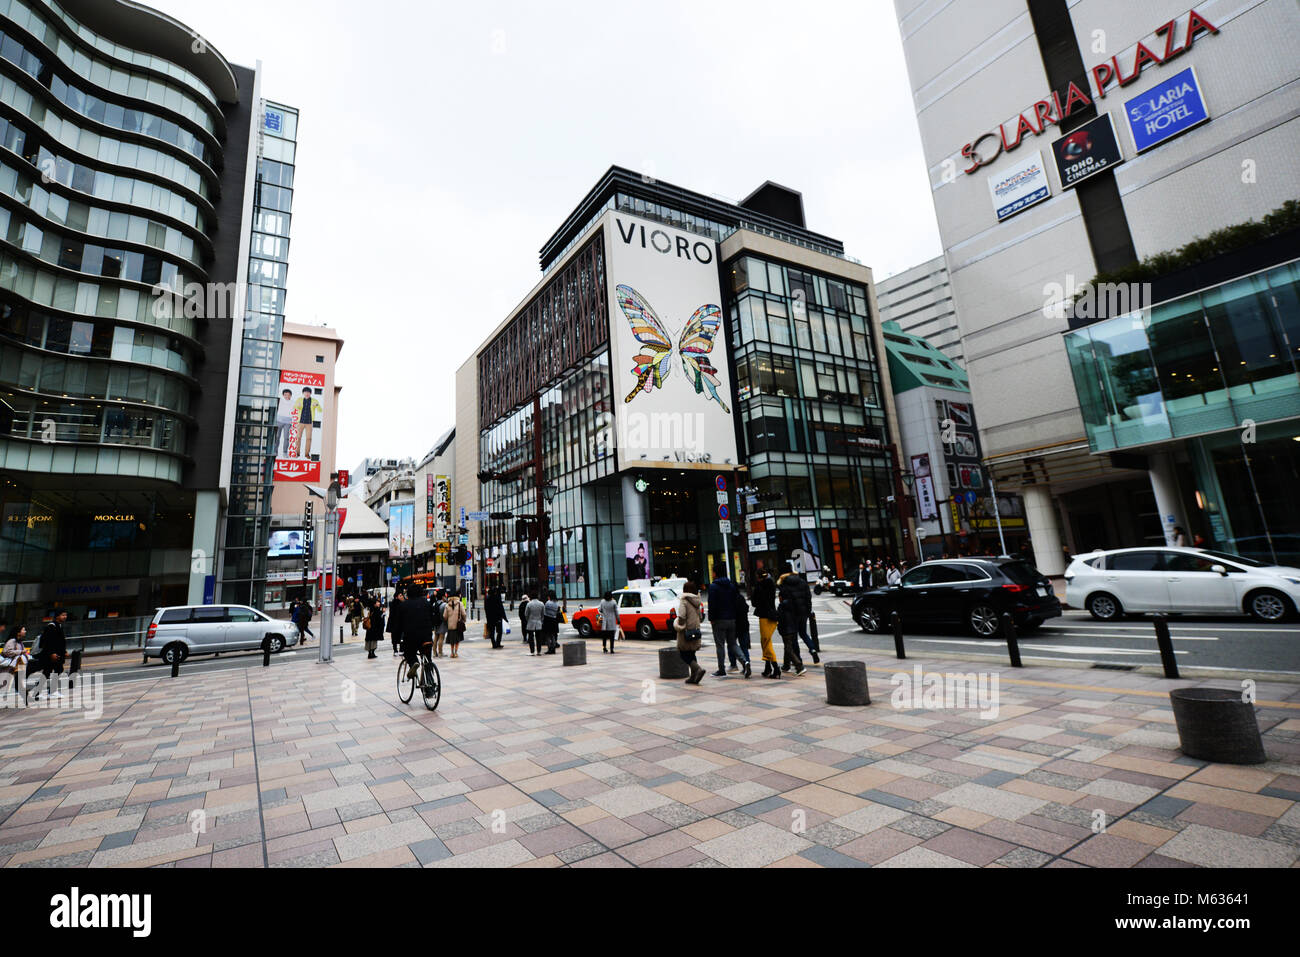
668 347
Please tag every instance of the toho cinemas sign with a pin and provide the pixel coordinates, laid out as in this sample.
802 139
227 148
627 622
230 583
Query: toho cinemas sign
1173 39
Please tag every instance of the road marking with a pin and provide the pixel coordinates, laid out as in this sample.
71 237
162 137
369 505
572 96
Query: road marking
1067 649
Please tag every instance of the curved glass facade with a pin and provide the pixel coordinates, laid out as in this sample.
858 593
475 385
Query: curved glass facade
107 160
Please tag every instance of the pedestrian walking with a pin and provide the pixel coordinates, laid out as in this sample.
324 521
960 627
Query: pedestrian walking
13 657
788 624
453 620
893 575
523 617
862 580
608 612
494 610
374 625
551 623
742 629
356 612
439 605
534 617
764 600
303 621
53 647
687 625
796 592
395 621
723 599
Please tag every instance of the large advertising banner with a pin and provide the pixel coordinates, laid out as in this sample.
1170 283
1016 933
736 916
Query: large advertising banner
668 347
442 502
401 530
300 426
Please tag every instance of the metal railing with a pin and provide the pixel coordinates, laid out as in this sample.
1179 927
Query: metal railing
104 635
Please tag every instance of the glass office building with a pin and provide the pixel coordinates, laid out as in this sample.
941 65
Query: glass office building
811 424
1214 379
248 517
124 154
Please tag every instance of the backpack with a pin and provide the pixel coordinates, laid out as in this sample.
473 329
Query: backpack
438 615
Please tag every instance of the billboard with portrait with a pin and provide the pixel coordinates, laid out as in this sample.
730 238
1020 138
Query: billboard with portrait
673 401
300 425
401 530
287 543
638 560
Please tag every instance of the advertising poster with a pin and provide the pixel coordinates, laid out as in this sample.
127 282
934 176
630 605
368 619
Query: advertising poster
401 530
1091 149
300 420
442 502
925 488
1168 109
638 561
668 347
1019 186
428 508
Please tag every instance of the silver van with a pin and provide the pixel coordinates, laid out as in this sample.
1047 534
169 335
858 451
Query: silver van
183 630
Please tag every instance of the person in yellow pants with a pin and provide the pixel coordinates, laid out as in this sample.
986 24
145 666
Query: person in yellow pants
765 609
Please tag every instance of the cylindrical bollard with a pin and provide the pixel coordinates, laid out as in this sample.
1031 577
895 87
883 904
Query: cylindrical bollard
340 634
1009 633
1217 724
176 665
812 630
897 621
846 684
575 653
266 652
1166 646
671 664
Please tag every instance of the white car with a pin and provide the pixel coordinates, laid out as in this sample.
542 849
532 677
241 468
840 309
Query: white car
1194 581
178 632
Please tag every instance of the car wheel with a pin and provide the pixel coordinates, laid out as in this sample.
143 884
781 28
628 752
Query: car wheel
277 643
984 620
1104 607
817 589
645 630
1268 606
871 620
584 628
174 653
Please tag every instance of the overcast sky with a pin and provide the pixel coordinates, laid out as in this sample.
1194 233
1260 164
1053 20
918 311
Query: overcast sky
441 144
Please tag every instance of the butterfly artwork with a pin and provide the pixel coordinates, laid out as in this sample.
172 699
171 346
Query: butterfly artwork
654 361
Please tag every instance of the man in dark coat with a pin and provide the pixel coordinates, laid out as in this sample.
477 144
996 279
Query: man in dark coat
724 600
375 633
416 625
395 621
495 610
54 649
796 606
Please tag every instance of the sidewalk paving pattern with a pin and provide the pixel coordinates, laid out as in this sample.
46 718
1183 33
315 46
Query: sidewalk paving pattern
527 763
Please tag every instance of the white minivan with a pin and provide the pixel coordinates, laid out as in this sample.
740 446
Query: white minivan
183 630
1190 581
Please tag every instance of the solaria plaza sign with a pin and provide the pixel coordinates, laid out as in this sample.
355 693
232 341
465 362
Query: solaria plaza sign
1049 112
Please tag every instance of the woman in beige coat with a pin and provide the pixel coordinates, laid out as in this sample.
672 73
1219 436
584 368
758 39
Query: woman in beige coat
454 616
689 636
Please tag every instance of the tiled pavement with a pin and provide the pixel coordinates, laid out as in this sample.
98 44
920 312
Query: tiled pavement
527 763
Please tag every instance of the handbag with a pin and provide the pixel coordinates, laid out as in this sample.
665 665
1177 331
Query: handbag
487 630
365 623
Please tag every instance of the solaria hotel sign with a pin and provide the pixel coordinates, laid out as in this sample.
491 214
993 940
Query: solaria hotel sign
1049 112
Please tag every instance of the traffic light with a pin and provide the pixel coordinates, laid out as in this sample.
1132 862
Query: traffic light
521 530
462 555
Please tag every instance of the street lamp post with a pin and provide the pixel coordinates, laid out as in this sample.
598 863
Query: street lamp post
549 491
330 558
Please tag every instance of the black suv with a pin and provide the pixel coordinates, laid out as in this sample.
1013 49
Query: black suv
974 592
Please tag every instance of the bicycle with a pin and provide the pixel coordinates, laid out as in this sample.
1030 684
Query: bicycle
427 676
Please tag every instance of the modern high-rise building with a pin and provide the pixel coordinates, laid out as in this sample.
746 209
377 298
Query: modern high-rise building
685 366
132 158
1150 147
920 301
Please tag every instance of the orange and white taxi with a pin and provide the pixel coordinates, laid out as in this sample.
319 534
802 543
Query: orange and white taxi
642 611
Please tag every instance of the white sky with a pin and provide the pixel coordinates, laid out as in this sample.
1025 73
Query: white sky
442 143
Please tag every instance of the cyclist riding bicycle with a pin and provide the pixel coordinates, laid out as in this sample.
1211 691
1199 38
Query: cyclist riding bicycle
417 627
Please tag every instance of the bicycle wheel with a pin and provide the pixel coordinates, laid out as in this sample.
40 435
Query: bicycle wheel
405 684
431 685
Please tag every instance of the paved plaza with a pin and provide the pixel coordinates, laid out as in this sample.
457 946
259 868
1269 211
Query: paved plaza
528 763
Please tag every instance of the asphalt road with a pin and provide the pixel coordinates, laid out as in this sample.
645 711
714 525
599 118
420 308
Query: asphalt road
1230 645
1226 644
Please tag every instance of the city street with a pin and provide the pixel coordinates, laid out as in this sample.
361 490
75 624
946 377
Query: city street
530 763
1227 645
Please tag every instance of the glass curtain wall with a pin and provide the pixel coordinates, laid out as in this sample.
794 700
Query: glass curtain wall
248 522
808 385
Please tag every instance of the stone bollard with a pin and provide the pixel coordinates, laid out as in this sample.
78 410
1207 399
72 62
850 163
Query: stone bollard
266 652
575 653
846 684
1009 635
1216 724
671 664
